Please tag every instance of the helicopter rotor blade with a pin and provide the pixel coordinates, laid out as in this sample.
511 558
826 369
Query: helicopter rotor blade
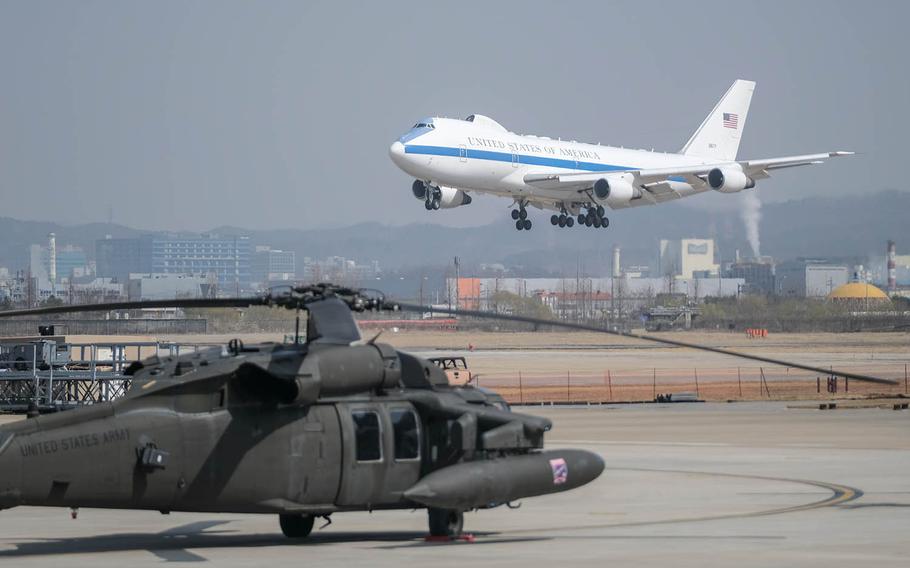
641 336
138 305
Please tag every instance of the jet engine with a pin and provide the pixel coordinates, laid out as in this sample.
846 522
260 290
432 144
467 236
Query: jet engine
615 190
729 180
450 197
420 189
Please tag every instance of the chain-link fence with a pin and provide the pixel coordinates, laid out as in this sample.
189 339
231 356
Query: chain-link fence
710 384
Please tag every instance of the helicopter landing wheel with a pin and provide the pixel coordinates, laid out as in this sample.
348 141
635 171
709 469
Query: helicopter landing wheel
296 526
445 522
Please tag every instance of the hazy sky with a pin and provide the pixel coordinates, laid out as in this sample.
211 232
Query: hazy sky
189 115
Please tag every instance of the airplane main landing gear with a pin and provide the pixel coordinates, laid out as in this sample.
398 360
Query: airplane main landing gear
594 218
520 215
562 220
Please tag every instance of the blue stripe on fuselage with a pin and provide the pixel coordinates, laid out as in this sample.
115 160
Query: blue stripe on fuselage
522 159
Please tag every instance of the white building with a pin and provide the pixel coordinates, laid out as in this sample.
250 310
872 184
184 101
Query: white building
686 257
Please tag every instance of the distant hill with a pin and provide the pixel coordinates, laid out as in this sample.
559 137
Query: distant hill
843 227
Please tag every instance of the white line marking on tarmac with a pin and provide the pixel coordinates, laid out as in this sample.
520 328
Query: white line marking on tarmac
642 443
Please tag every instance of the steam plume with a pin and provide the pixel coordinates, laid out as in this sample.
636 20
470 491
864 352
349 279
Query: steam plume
751 214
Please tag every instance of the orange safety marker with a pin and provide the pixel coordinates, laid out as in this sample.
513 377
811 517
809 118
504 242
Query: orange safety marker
466 537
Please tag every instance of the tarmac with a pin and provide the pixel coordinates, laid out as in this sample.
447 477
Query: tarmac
744 484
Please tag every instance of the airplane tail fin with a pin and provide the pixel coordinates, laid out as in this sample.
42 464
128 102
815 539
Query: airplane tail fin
718 136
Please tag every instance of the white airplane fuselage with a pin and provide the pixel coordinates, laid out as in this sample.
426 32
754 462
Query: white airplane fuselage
479 157
452 158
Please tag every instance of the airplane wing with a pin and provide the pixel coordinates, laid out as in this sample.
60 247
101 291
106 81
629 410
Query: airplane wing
661 178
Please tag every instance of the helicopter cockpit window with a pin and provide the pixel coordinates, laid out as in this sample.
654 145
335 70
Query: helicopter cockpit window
407 434
368 438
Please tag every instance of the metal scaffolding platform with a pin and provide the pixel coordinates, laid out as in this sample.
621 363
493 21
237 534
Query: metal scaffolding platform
92 374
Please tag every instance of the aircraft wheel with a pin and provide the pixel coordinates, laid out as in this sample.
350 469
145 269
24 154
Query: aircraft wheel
596 223
515 214
554 220
522 214
445 522
519 224
605 223
570 221
436 204
588 221
296 526
527 224
581 218
562 221
600 211
428 205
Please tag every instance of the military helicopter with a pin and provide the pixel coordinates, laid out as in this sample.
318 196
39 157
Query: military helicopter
331 424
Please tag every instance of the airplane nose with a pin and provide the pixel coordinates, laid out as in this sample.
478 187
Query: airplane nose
396 152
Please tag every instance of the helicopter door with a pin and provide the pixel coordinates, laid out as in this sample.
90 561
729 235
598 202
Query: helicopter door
381 452
316 457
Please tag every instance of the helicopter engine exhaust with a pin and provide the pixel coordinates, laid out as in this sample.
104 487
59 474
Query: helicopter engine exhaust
328 371
488 483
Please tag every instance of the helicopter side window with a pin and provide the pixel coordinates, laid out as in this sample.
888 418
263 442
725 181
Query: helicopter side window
368 438
407 434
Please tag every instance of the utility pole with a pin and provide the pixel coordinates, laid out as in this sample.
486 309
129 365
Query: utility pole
456 283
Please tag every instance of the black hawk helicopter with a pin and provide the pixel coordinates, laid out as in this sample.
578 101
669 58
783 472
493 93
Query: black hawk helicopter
304 430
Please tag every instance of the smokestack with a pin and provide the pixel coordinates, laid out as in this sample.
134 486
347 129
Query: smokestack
892 266
52 257
617 268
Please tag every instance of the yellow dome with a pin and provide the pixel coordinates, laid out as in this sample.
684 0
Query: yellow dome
857 291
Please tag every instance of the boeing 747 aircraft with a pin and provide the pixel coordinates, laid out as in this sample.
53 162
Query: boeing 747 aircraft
452 158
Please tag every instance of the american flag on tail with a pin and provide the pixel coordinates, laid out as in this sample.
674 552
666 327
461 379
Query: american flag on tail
560 471
731 120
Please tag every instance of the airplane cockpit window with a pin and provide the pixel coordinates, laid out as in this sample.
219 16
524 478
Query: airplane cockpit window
424 125
367 436
407 434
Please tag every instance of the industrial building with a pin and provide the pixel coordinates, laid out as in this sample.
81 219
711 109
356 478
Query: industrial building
57 265
118 258
809 278
224 259
758 275
687 258
476 293
158 286
272 266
